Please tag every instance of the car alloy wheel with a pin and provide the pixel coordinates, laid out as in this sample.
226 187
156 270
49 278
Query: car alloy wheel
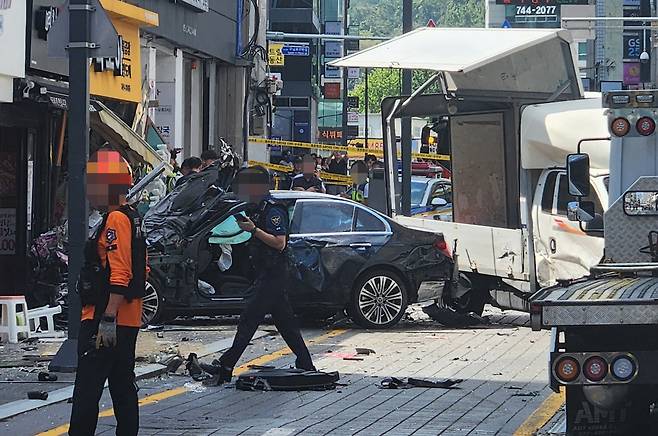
150 304
380 300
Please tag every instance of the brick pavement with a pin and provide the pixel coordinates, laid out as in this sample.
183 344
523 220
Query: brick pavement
503 367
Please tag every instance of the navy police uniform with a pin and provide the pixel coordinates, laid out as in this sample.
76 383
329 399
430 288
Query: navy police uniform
268 291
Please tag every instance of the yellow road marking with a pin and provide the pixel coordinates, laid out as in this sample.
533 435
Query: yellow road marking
541 415
150 399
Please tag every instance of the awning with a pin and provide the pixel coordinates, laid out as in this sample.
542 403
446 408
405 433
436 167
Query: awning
107 124
474 59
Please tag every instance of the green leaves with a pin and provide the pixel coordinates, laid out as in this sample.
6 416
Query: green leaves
384 18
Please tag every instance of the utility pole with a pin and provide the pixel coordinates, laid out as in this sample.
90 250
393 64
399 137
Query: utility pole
346 28
66 359
405 143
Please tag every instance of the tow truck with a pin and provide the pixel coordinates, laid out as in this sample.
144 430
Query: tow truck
604 348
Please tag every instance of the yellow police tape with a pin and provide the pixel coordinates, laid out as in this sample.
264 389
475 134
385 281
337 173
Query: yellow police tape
331 178
348 150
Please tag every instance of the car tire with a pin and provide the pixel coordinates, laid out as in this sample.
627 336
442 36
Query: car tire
152 304
475 299
379 300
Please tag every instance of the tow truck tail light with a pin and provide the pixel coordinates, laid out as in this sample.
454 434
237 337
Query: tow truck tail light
441 245
645 126
567 369
623 368
595 368
535 309
620 126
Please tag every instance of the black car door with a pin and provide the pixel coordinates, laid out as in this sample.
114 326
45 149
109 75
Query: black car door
330 241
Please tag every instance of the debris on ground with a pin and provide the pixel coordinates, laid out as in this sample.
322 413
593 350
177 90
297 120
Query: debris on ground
416 313
353 358
366 351
47 377
396 383
37 395
194 368
512 387
449 318
195 387
173 362
290 379
526 394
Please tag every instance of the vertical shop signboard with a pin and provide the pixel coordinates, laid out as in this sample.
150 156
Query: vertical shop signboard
164 119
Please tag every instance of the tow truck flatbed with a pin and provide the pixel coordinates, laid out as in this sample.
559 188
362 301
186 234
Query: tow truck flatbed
597 301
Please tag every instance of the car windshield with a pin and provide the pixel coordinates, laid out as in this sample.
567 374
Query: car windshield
417 192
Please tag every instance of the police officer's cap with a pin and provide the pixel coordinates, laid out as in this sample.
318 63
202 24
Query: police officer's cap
252 175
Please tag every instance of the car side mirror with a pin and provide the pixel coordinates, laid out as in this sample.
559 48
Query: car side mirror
578 174
582 211
438 201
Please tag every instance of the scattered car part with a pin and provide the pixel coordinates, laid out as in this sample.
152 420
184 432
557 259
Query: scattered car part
287 380
47 377
37 395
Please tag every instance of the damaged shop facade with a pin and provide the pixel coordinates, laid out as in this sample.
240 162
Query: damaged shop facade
35 137
163 91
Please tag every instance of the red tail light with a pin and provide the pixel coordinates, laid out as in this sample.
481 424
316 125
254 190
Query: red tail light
620 126
595 368
645 126
441 245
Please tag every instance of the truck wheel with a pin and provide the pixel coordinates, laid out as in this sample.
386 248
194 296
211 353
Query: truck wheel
152 303
473 300
379 300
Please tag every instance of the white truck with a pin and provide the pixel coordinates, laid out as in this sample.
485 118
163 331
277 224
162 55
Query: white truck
512 108
604 348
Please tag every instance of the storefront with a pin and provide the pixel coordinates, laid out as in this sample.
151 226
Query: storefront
16 142
195 80
33 137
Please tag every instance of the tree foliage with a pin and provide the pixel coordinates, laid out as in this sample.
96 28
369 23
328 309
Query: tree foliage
384 18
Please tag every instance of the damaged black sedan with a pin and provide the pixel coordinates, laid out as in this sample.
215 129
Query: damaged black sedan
341 256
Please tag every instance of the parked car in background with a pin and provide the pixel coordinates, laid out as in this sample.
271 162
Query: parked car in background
431 197
342 256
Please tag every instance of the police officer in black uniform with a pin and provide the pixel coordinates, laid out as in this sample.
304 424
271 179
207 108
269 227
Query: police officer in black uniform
268 224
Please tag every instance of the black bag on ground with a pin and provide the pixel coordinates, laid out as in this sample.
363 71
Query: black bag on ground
287 380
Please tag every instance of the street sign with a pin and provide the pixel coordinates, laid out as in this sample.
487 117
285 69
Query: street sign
353 73
431 23
103 35
353 102
353 117
333 49
332 91
275 57
295 49
332 72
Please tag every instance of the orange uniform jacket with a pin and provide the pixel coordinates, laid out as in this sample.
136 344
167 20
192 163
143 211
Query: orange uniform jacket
114 246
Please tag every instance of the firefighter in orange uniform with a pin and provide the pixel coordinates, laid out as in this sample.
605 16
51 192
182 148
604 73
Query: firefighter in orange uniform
111 299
